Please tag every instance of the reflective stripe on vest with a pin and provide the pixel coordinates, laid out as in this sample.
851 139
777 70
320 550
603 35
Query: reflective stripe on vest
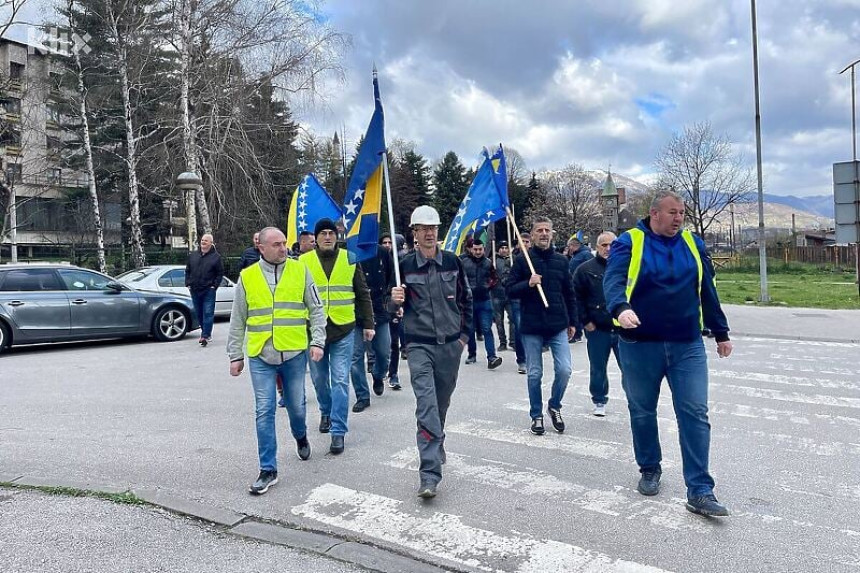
637 246
336 291
282 315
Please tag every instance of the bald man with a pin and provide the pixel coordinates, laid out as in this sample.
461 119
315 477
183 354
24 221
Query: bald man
203 274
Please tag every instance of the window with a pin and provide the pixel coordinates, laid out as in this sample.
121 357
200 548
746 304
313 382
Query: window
54 144
55 176
53 112
56 80
10 135
76 279
136 275
11 105
174 278
14 173
16 71
30 280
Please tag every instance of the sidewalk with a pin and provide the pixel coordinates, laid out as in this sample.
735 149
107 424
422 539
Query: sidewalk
815 324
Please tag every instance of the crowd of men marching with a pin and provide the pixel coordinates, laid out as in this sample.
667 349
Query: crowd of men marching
645 296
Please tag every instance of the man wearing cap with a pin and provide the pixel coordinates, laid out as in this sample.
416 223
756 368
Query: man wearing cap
274 300
437 319
346 300
500 299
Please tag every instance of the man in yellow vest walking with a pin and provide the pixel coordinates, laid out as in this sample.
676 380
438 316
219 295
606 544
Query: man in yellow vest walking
345 299
659 286
274 300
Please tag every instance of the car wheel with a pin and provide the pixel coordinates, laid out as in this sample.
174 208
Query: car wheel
4 336
170 324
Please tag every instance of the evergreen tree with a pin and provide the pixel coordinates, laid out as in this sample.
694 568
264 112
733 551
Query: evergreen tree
409 188
451 183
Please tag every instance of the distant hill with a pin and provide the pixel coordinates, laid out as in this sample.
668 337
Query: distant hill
821 205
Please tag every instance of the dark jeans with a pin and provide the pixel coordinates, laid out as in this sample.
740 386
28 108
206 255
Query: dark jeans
516 315
396 341
381 349
204 307
600 344
685 367
500 306
483 322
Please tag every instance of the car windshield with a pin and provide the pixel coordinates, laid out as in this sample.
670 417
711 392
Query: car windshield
135 275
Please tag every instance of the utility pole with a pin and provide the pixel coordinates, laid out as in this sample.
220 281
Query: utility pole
762 245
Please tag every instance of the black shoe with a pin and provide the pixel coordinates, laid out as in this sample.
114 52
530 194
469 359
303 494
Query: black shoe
521 368
706 505
480 337
266 480
361 406
649 483
503 347
427 490
537 426
204 342
303 448
336 445
394 384
325 424
557 421
378 386
494 362
471 360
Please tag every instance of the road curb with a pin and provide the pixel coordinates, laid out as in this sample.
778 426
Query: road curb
242 525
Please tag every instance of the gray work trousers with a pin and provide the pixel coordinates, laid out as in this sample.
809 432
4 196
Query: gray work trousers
434 369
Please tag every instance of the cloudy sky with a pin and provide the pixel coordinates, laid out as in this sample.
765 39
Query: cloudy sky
600 82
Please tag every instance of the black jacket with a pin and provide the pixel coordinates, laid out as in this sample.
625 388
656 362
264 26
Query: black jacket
555 278
249 256
379 273
588 286
480 274
203 272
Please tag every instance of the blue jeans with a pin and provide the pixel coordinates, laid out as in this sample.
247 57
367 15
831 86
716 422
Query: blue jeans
482 312
600 344
204 307
263 377
516 315
562 364
381 347
331 382
685 367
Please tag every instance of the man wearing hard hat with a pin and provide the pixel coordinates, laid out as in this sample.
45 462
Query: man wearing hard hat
437 318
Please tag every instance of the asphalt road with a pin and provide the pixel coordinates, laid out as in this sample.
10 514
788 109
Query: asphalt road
785 454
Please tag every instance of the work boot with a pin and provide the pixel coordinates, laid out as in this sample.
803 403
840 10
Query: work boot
378 386
706 505
361 406
303 448
267 479
494 362
325 424
649 483
336 445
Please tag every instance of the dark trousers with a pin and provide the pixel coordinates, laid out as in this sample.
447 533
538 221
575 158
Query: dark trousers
600 344
396 342
204 307
501 305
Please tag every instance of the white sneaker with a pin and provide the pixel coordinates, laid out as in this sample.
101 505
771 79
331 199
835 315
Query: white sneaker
600 410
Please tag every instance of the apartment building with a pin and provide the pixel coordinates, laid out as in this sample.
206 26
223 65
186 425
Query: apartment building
51 203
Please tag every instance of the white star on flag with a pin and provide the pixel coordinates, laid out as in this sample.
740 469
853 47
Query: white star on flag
359 194
350 208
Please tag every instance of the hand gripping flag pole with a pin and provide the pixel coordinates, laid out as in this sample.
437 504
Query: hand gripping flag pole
526 255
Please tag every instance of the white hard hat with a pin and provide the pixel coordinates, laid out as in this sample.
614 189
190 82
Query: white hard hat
424 215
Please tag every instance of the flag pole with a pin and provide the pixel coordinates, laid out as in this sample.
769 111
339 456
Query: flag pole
526 255
391 219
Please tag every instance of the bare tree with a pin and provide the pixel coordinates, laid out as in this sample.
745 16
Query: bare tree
701 167
570 198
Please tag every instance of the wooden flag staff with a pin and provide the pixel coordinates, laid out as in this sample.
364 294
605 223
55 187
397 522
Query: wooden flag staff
526 255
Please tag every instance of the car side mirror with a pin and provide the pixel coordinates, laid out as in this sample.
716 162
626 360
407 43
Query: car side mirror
114 286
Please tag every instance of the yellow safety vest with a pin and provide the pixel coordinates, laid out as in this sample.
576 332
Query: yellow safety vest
336 291
282 315
637 241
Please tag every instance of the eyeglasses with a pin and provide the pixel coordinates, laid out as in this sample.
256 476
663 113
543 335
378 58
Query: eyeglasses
425 228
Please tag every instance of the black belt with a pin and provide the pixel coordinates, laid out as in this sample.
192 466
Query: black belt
430 339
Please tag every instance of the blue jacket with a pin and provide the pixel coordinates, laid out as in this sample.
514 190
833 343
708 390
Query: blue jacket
665 297
581 256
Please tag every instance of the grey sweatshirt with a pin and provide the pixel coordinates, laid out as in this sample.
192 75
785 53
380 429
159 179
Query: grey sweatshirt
239 318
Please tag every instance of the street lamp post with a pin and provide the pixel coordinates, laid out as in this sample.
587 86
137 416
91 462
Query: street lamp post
190 182
762 245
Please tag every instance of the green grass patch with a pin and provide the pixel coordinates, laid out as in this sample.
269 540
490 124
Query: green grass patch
812 289
126 497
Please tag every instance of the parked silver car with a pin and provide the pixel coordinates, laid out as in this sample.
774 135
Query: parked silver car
54 302
171 278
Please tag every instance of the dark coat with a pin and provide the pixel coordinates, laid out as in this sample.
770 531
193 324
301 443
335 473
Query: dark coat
203 272
249 256
379 273
481 276
557 285
588 286
579 257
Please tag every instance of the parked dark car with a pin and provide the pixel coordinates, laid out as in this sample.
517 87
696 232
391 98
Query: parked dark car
54 302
